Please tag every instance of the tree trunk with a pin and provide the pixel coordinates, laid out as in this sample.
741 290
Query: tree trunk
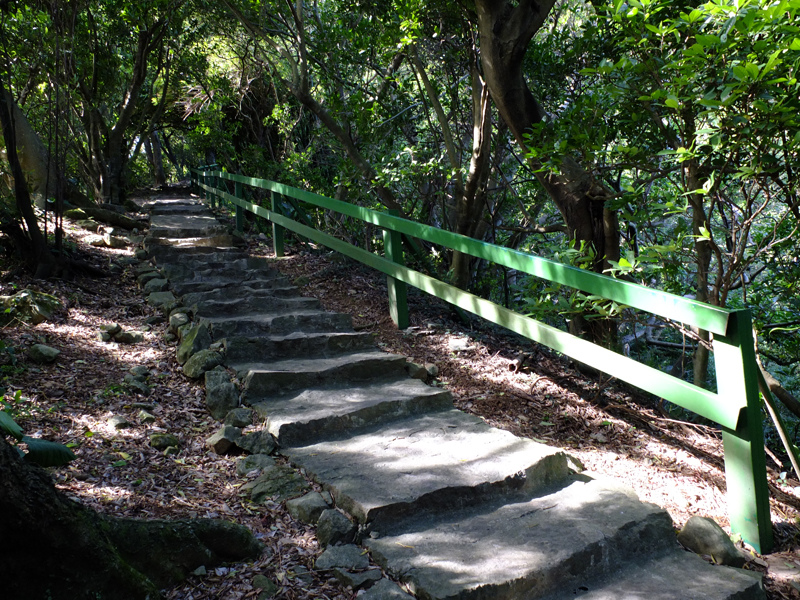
506 29
40 169
55 548
31 243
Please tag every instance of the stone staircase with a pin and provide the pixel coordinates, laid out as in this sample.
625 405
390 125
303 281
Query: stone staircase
444 503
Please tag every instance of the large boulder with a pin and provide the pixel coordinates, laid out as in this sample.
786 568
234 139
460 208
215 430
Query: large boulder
27 306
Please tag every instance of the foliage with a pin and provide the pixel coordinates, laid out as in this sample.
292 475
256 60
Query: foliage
41 452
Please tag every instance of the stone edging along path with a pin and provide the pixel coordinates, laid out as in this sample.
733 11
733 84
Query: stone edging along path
444 503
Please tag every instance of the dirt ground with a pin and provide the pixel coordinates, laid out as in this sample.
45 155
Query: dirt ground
510 383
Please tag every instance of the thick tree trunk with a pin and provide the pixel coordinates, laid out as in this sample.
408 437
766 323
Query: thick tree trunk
506 29
32 244
40 170
55 548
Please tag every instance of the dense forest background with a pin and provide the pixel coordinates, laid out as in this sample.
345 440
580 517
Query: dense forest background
651 140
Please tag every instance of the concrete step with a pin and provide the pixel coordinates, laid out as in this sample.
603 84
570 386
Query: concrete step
571 541
186 206
278 323
330 412
262 303
427 462
297 344
270 379
677 575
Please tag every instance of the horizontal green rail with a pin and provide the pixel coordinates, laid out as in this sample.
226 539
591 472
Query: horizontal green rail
735 406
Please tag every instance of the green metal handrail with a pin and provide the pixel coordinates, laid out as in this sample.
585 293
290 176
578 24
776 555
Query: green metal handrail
736 405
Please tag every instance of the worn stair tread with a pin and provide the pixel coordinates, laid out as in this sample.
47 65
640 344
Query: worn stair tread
315 414
199 285
425 461
273 378
277 322
678 575
245 293
190 225
554 544
264 303
297 343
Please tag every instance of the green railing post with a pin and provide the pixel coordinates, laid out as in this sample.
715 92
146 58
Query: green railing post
237 191
277 230
745 462
398 290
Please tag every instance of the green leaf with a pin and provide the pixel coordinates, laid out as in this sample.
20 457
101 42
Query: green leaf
46 453
9 426
672 102
795 45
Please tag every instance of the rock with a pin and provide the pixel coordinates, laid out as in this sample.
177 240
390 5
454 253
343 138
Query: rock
140 371
140 254
129 337
222 396
277 482
238 417
119 422
704 536
27 306
416 371
155 320
96 240
148 276
163 301
254 461
357 581
385 589
301 281
155 285
177 320
162 441
258 442
136 384
196 339
112 329
75 214
146 417
334 528
203 361
458 344
200 571
103 336
112 241
43 354
308 508
348 556
171 450
88 224
432 369
269 588
170 337
225 440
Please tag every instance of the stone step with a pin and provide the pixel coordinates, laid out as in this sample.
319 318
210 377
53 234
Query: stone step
296 344
329 412
559 544
176 206
164 253
278 323
238 268
184 225
209 284
263 303
262 293
676 575
262 380
446 459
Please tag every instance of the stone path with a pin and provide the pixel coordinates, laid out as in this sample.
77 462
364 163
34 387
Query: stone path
444 503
